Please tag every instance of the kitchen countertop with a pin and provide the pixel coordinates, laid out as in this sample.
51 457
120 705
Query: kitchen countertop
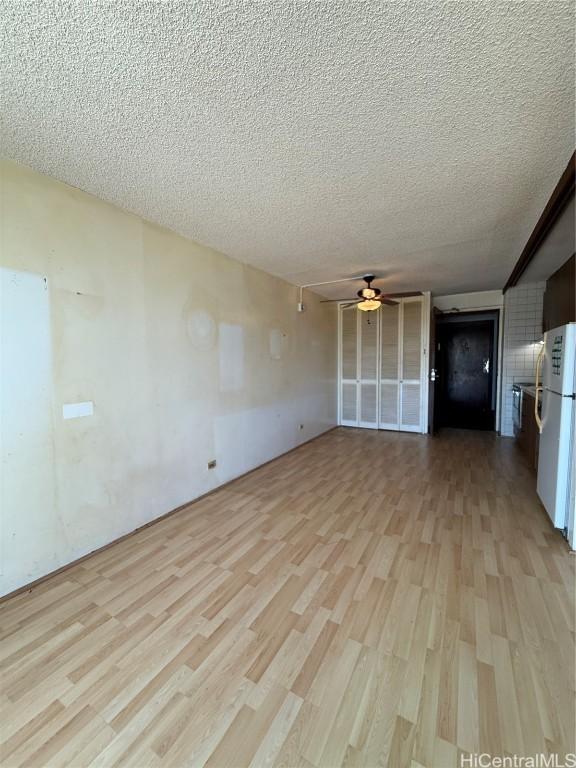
529 389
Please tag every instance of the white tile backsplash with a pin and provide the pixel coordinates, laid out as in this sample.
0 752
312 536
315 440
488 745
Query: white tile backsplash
521 334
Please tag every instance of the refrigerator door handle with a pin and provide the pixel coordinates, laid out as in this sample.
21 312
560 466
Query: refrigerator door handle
539 389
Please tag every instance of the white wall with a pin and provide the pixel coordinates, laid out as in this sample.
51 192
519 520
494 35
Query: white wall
187 356
477 300
522 333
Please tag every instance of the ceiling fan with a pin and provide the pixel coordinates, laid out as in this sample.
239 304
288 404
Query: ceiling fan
370 298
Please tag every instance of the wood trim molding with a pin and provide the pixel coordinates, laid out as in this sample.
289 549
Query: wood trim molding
554 207
29 587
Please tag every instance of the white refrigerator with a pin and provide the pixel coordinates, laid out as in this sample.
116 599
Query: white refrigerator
556 454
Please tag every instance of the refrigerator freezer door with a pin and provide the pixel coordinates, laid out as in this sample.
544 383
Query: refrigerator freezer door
558 365
572 492
554 456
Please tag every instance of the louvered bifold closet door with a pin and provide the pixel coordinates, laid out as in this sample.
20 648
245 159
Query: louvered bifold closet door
368 369
389 367
410 393
349 367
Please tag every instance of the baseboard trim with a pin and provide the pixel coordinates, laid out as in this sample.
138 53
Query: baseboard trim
29 587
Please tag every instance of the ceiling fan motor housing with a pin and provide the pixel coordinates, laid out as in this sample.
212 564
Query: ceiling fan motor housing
369 292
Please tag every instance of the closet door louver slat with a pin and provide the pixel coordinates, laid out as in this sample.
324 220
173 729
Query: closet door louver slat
349 368
349 402
369 405
349 344
389 366
389 405
368 369
411 341
410 395
411 406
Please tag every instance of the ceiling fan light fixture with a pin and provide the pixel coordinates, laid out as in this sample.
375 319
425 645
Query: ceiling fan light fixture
368 305
369 292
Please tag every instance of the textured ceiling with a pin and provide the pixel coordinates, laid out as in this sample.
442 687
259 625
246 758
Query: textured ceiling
315 140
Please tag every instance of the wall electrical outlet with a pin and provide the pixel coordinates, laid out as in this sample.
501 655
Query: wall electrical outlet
212 464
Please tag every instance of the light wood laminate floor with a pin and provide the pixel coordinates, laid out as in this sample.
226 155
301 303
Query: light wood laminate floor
369 599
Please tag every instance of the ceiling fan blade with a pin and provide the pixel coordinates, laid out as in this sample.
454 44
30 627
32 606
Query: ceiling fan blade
385 298
328 301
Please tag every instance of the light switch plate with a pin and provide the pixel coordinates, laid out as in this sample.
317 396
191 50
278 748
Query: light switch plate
77 410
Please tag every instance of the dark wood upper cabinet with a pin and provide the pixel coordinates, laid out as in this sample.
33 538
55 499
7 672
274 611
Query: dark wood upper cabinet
560 199
560 296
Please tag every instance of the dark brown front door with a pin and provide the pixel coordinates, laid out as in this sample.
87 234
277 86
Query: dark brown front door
465 361
432 372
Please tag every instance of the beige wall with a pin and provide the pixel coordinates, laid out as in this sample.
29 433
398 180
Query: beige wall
186 354
469 302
